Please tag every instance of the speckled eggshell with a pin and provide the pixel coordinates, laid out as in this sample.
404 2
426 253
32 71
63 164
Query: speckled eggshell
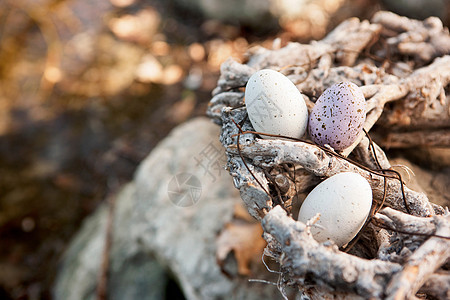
343 201
338 116
275 105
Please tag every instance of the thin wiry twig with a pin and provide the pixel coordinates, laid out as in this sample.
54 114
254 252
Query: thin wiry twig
243 160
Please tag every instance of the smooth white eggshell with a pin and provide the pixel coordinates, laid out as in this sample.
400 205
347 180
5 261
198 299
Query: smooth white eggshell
343 201
275 105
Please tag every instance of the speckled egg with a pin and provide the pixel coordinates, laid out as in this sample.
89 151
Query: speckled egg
275 105
344 202
338 116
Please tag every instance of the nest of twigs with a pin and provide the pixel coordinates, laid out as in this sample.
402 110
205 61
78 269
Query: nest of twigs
403 69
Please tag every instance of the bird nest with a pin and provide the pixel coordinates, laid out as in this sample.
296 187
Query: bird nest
403 69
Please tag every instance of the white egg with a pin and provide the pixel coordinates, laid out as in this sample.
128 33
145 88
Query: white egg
275 105
343 201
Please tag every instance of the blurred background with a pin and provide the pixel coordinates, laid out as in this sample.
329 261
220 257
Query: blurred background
88 88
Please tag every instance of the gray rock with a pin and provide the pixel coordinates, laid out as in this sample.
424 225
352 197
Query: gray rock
248 12
155 219
264 13
134 273
418 9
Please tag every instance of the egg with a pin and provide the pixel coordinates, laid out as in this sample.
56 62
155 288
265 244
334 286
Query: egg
275 105
338 116
344 202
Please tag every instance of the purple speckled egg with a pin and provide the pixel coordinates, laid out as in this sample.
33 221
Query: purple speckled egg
338 116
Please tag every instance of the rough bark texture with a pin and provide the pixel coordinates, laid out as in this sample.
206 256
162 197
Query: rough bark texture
403 69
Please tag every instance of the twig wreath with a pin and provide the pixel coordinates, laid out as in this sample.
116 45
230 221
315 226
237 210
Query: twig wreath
402 67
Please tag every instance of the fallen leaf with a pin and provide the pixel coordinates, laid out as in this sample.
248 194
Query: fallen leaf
243 239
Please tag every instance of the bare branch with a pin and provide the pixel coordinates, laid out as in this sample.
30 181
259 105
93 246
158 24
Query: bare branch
307 262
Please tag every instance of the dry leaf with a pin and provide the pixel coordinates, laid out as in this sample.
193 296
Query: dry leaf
242 238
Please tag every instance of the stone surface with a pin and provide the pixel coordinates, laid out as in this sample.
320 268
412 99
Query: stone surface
255 12
134 273
418 9
152 223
